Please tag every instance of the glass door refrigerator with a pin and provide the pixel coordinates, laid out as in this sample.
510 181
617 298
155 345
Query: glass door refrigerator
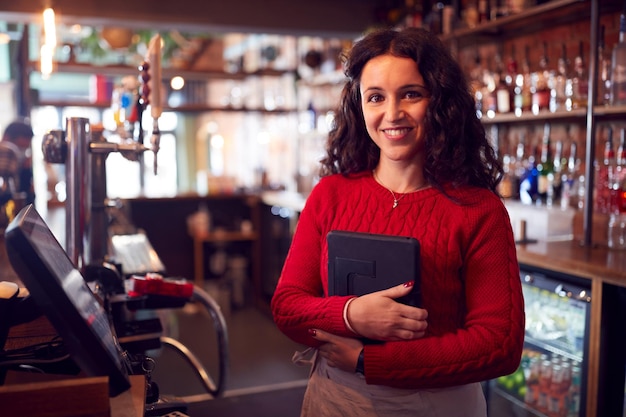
552 377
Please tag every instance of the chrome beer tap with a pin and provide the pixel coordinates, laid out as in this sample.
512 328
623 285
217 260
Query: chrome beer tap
84 149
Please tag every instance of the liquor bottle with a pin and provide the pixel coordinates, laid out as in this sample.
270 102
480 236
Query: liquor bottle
618 197
511 69
483 11
580 82
545 169
604 71
509 77
528 181
540 89
503 94
490 102
414 13
557 164
569 178
522 96
476 84
618 64
506 187
562 83
604 176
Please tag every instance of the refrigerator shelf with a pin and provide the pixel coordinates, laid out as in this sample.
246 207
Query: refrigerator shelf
555 346
524 409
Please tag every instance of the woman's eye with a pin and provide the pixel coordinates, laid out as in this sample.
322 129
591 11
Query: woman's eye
375 98
414 95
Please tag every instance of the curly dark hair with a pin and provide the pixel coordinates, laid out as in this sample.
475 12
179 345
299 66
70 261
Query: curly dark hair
458 151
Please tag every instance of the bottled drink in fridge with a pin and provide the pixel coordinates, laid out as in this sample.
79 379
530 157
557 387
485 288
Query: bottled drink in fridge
545 381
618 64
573 396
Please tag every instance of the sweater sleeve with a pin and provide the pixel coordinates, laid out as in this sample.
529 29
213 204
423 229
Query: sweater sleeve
489 341
299 302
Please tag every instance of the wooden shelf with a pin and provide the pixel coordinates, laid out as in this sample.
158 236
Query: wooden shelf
562 116
122 70
187 108
533 19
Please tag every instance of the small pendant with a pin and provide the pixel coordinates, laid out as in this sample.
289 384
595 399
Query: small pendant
395 203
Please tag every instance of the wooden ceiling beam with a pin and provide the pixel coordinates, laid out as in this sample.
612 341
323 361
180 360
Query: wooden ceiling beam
337 18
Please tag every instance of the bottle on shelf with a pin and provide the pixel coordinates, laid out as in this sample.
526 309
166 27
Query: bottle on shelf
483 11
511 70
618 64
618 189
580 81
414 14
520 165
476 83
557 164
522 97
470 14
569 180
540 83
489 95
545 170
562 86
503 92
604 176
604 71
528 188
616 234
506 187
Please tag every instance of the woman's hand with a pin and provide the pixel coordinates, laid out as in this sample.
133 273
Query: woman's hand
378 316
340 352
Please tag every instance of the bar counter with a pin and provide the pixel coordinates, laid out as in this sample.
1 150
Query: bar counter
573 258
605 269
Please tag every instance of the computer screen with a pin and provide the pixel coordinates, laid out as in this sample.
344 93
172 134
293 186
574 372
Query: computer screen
60 291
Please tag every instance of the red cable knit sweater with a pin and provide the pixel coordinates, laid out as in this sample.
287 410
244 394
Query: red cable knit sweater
470 281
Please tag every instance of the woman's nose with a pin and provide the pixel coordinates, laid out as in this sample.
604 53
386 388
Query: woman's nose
393 111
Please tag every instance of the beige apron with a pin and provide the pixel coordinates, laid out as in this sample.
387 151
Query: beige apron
335 393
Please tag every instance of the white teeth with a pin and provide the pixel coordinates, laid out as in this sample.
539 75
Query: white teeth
396 132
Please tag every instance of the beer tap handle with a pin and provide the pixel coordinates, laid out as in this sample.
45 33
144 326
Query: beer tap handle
154 92
155 142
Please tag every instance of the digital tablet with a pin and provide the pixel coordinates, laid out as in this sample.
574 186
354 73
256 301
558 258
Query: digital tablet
62 294
361 263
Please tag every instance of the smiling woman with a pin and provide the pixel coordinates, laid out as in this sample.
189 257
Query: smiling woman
407 157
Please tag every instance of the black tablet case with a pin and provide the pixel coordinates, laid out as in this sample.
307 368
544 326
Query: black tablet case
361 263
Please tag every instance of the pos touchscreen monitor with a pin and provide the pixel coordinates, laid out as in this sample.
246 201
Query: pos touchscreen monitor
62 294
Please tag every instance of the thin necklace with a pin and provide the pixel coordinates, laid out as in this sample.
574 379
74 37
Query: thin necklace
396 198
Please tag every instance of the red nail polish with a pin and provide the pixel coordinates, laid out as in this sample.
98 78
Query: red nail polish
312 332
409 284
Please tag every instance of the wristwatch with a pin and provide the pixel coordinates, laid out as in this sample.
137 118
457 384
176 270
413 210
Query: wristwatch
360 363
